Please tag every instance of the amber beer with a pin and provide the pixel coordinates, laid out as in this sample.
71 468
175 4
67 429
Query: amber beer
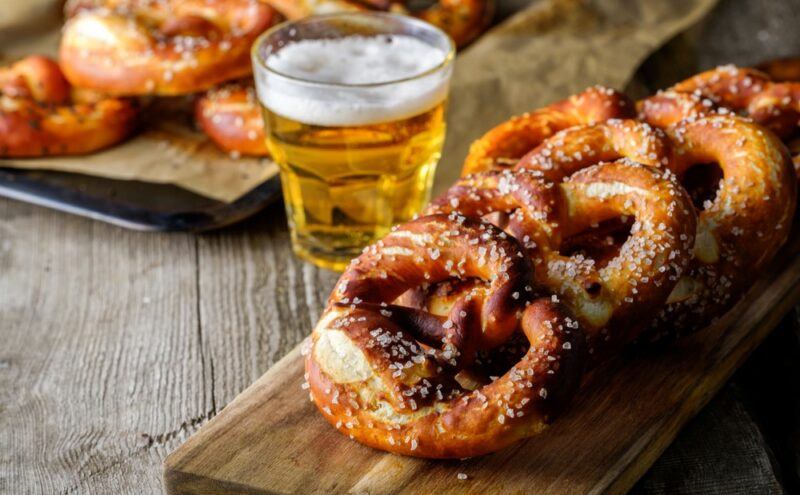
357 138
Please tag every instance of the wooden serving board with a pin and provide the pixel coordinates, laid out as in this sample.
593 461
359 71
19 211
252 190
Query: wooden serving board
271 439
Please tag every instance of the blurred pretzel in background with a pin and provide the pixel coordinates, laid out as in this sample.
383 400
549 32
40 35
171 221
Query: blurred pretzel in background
231 117
41 114
749 195
462 20
160 47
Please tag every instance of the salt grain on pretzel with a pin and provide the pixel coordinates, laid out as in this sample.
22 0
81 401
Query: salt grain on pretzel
399 379
41 114
164 47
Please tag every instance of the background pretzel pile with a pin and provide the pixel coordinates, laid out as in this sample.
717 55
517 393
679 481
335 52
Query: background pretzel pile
575 230
114 52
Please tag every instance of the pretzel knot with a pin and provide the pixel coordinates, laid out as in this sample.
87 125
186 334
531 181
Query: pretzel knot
502 146
165 47
41 115
613 295
401 379
230 116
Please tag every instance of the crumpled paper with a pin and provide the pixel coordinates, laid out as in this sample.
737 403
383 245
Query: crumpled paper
545 52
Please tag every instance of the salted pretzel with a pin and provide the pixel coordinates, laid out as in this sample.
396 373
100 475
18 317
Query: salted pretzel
41 114
614 296
503 145
462 20
749 92
742 222
401 380
164 47
230 116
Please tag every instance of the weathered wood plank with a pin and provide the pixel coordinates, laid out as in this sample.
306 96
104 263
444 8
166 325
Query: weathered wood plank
101 358
257 300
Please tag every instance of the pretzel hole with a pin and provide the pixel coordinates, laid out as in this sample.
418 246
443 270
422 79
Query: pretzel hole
497 362
600 242
702 182
593 288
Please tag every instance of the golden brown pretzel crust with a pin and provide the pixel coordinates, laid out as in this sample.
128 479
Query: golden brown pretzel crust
397 379
612 300
164 47
40 115
749 92
740 229
502 146
231 117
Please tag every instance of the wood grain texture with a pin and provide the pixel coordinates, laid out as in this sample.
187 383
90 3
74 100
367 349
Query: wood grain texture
271 439
89 352
117 345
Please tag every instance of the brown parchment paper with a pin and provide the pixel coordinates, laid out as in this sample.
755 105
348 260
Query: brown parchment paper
548 50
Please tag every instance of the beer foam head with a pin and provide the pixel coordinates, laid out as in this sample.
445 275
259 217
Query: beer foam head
355 80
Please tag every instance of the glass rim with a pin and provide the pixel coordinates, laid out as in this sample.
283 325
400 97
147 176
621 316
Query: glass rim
262 64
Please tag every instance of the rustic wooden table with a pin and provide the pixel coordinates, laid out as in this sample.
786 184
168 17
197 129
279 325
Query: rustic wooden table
117 345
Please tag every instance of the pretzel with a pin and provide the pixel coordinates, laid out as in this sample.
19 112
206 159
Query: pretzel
749 92
747 154
578 147
231 117
613 297
41 115
462 20
509 141
740 228
400 380
163 47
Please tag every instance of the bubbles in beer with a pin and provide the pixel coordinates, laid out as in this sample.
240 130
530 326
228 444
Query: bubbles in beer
348 61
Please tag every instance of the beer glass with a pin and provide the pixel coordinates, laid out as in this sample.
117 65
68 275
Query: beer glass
354 107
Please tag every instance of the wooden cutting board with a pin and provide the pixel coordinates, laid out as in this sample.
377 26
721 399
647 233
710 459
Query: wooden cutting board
271 439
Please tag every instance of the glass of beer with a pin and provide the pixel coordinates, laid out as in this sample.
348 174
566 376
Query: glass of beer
354 106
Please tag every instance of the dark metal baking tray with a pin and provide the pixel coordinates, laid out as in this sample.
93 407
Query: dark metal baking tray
133 204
